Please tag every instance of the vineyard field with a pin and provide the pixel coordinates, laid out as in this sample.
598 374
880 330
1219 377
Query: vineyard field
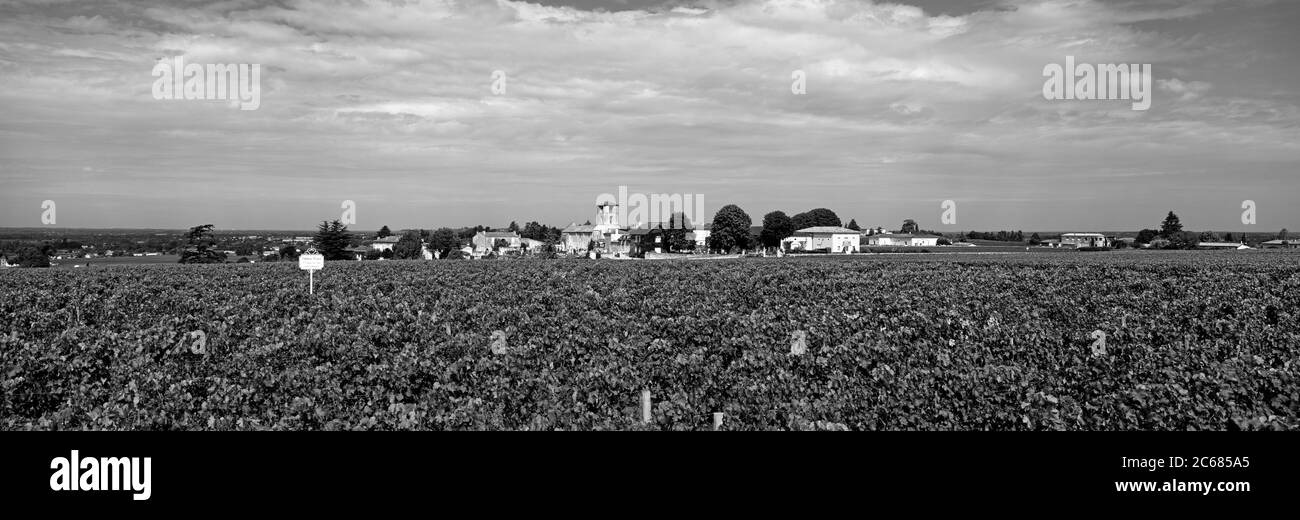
1102 341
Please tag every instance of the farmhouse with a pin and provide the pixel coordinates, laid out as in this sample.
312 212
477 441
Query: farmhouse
384 243
1280 244
1077 240
576 237
700 235
532 244
833 238
902 239
486 241
359 253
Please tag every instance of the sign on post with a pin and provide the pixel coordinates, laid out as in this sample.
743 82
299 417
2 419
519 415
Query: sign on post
311 261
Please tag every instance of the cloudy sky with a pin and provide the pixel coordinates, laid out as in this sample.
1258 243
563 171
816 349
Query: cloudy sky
391 105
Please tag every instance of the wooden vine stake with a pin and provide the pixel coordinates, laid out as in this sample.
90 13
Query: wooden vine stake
645 406
717 421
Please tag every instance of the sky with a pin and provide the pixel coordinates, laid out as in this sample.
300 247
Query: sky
391 105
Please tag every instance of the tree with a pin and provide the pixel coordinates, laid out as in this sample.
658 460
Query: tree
1034 239
534 231
513 227
500 244
674 234
814 218
1180 240
909 226
1209 236
1146 236
408 247
386 254
776 227
444 241
289 252
332 240
383 232
1229 238
1171 226
32 257
198 249
1282 235
853 224
730 229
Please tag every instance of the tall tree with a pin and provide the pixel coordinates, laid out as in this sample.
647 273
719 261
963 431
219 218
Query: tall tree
1034 239
1170 226
383 232
32 257
443 240
814 218
909 226
730 229
1146 236
1229 238
776 227
853 224
408 246
513 227
674 233
332 240
1282 235
534 231
198 247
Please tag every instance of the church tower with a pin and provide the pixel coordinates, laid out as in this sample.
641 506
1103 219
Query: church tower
607 217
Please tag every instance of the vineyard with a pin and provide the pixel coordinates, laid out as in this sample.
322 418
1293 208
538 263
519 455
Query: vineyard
1108 341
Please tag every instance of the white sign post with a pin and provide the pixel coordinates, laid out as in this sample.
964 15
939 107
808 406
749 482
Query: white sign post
311 261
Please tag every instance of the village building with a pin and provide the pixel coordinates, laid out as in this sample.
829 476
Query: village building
1079 240
700 235
832 238
577 237
383 243
1222 245
485 242
605 235
1280 244
902 239
357 253
532 245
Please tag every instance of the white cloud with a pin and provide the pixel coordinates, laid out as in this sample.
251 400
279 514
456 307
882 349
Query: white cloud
1186 90
600 98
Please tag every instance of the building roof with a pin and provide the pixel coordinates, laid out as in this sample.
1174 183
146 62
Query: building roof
1221 244
1278 242
822 230
1093 235
500 234
390 239
901 235
579 228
